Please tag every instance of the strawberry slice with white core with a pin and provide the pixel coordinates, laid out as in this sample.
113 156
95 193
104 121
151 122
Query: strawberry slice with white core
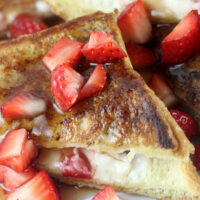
106 194
12 179
39 187
162 90
134 23
183 41
24 105
65 86
102 48
76 164
13 144
16 151
65 51
94 84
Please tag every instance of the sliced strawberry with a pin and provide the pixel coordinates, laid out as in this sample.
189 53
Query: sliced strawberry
94 84
40 187
25 24
65 51
196 158
12 179
76 164
23 105
17 152
162 90
106 194
102 48
183 41
13 144
65 85
140 56
134 23
185 121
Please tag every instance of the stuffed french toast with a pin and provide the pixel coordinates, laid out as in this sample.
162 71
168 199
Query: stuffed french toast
72 105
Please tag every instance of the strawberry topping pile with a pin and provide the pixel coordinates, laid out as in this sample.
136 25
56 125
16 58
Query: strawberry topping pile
25 24
17 175
67 84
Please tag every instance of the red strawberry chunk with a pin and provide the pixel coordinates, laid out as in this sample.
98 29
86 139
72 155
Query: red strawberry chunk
183 41
140 56
12 179
25 150
25 24
65 51
196 158
65 85
102 48
40 187
134 23
76 165
162 90
23 105
106 194
13 144
185 121
94 84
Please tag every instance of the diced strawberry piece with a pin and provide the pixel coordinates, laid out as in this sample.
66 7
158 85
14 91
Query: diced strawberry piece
162 90
183 41
13 144
185 121
12 179
20 163
146 74
102 48
65 51
65 85
76 165
40 187
94 84
106 194
16 151
23 105
140 56
134 23
196 158
25 24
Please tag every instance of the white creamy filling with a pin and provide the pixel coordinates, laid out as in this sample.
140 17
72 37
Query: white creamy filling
106 168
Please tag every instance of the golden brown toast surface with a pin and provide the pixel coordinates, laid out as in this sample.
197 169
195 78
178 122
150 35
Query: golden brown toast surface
125 115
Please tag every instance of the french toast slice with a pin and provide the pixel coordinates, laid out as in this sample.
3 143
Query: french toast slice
126 118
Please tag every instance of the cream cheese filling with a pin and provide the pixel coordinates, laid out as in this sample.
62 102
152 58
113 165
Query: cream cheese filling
106 168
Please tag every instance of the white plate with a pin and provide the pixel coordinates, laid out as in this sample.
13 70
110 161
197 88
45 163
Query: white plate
74 193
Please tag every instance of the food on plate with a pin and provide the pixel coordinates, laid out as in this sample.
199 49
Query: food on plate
122 130
166 11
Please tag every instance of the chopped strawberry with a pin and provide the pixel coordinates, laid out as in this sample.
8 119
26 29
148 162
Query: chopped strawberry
185 121
12 144
65 51
16 152
146 74
94 84
183 41
162 90
25 24
65 85
106 194
102 48
23 105
76 164
196 158
39 187
134 23
7 175
140 56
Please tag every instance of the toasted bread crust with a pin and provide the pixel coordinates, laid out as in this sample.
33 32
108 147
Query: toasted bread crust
125 115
